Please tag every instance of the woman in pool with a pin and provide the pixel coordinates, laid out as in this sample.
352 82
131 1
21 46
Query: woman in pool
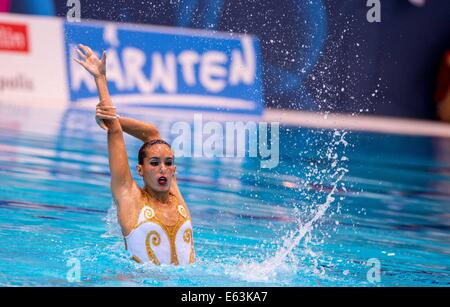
155 220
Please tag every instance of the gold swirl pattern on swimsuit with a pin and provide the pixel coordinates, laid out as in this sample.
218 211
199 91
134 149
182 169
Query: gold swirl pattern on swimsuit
182 211
187 237
136 258
156 240
149 213
192 255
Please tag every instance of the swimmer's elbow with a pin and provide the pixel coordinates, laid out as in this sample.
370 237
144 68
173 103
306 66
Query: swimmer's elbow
153 135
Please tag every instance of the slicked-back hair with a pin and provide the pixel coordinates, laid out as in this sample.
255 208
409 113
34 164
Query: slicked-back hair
147 145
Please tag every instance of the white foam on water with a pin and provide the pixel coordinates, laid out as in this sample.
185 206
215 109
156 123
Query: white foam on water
112 223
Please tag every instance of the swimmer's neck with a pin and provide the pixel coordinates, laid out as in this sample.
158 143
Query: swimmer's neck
161 196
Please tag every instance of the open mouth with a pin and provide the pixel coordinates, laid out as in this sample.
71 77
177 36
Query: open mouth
162 180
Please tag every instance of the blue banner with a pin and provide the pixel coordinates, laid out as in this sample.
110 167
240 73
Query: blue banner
162 67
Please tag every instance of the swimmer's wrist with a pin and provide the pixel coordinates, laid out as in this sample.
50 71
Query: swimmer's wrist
112 129
106 102
100 81
101 77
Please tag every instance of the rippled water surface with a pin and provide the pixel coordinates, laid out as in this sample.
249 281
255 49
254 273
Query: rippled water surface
338 204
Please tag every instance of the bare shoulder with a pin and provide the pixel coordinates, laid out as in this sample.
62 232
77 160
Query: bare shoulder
176 191
180 200
128 195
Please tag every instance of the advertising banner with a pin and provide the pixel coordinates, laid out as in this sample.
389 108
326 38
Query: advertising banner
168 68
147 66
32 68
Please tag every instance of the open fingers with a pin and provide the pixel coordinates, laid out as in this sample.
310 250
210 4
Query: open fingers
80 62
86 49
89 48
104 57
81 54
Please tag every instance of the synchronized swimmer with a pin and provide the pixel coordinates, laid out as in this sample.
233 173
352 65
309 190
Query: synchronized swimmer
155 220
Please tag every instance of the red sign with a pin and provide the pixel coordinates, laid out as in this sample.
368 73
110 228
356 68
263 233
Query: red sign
14 37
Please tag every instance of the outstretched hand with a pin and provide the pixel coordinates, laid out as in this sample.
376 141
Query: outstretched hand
91 62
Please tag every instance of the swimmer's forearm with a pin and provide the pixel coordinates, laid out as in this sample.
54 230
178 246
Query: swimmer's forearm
103 92
140 130
118 159
117 153
105 100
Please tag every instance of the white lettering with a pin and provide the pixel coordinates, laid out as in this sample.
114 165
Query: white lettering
243 68
188 59
164 73
134 61
114 71
374 13
212 73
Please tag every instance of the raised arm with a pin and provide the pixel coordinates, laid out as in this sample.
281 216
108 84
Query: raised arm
143 131
122 183
140 130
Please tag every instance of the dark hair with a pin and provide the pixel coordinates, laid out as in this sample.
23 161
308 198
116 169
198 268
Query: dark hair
146 145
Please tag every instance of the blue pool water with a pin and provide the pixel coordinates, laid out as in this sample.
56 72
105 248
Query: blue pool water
336 200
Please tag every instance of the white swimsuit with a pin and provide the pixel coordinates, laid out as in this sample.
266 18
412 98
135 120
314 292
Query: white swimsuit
153 241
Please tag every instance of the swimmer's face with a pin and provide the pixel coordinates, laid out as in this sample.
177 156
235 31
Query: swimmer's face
158 168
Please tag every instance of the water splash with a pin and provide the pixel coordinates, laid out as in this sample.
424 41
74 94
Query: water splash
284 262
112 224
